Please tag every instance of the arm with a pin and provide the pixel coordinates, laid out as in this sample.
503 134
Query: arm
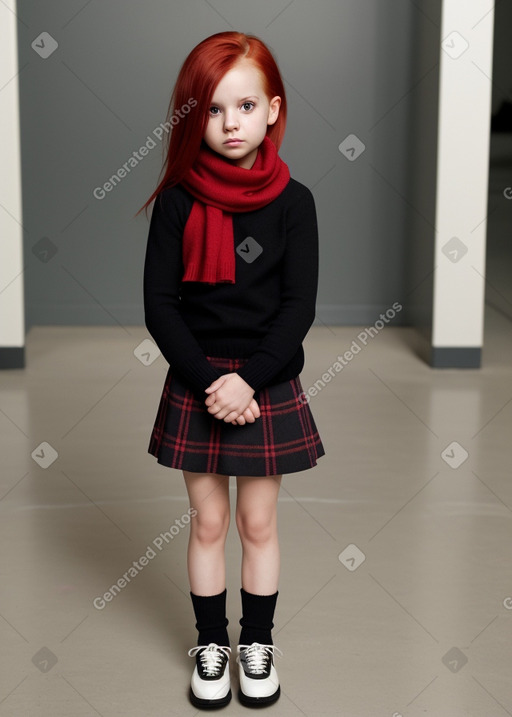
163 269
299 283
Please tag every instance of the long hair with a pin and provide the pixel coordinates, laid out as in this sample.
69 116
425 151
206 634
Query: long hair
187 116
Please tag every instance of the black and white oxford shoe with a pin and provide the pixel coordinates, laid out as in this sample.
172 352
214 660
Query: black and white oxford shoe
210 685
259 683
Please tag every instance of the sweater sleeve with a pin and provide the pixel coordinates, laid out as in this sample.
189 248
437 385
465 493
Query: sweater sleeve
299 283
163 270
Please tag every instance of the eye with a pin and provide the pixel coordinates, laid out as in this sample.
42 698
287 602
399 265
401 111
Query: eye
214 110
247 106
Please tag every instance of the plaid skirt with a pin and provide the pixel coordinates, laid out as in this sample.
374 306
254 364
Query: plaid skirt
284 439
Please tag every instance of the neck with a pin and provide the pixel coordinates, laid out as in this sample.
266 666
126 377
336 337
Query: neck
246 162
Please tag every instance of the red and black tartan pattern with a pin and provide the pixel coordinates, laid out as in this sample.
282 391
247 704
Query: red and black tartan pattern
284 439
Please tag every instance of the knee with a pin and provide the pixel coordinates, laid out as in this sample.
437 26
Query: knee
254 527
210 527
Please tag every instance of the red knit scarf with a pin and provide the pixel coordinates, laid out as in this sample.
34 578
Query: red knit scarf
221 188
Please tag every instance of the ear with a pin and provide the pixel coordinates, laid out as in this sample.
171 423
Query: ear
273 110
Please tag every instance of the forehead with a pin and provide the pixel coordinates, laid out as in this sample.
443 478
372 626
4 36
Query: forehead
241 80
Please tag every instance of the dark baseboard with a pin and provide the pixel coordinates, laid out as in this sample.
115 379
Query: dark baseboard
12 357
465 357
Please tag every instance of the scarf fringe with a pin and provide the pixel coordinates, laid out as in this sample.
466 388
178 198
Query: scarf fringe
209 275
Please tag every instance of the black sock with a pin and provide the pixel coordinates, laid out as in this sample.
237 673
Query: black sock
210 612
257 616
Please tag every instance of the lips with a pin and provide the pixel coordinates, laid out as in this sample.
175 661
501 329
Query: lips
233 141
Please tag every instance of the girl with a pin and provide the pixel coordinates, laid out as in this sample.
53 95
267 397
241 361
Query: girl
230 283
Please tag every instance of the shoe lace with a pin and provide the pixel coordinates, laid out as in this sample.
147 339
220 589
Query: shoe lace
257 656
211 658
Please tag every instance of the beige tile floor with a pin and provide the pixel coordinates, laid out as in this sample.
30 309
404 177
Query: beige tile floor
423 625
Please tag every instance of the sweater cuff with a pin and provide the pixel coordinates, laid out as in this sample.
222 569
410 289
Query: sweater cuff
200 378
256 376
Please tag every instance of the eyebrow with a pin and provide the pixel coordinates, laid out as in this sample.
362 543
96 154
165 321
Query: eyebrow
243 99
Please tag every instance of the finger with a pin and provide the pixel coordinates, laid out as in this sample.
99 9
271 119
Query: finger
216 384
248 415
224 414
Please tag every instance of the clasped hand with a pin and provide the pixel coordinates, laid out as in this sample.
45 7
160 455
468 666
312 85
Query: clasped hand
231 399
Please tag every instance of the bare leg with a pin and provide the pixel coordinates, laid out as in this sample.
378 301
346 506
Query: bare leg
256 519
209 495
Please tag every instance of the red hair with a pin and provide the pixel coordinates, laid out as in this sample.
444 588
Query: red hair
200 74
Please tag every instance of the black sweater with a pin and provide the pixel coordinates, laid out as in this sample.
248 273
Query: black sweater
263 316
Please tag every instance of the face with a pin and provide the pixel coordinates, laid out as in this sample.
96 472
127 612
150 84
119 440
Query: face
239 114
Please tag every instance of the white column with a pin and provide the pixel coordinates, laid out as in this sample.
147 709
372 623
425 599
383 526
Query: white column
12 318
465 91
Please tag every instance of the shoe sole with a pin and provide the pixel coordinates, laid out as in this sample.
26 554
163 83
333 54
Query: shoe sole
209 704
259 701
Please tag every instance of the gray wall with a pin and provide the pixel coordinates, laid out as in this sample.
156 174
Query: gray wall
348 67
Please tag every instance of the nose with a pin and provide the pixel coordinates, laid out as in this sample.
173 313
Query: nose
230 120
